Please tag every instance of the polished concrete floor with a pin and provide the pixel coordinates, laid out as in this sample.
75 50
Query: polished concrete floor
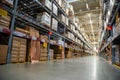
87 68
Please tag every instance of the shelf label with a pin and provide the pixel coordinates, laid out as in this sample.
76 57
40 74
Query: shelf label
43 40
45 44
19 34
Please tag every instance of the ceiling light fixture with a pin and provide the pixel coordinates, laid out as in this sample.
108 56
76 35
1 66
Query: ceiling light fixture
92 28
87 6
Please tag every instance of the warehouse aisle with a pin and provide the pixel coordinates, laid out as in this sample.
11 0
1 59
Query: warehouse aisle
87 68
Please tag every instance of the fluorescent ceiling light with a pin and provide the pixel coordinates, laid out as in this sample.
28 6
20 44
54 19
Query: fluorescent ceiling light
87 6
71 1
92 28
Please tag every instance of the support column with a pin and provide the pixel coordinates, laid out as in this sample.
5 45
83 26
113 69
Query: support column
12 30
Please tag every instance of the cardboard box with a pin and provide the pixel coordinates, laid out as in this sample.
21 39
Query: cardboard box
3 53
54 24
43 58
44 18
4 24
68 54
22 30
18 49
42 54
55 9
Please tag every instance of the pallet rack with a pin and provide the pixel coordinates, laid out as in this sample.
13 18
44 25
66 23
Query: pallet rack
109 38
28 8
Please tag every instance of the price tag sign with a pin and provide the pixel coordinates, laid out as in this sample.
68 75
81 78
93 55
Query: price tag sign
34 38
43 40
45 44
60 47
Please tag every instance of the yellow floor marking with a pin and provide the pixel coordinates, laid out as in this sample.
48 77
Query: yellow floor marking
117 66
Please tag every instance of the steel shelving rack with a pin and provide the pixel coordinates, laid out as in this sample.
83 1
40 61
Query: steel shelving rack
108 19
18 15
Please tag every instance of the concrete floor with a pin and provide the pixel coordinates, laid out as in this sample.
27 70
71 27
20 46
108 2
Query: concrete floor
87 68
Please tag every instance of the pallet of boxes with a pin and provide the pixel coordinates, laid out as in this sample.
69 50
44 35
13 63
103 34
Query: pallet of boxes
44 49
18 53
4 23
44 18
34 45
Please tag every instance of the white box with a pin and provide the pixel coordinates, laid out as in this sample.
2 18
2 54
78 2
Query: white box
55 9
54 24
48 4
44 18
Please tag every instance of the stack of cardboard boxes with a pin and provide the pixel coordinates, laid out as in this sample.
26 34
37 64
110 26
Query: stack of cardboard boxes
43 48
68 54
22 52
43 53
58 52
44 18
3 53
4 18
34 45
18 50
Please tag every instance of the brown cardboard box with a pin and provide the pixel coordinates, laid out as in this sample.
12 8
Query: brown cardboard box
38 49
18 49
4 22
43 58
3 53
22 30
69 54
32 31
43 54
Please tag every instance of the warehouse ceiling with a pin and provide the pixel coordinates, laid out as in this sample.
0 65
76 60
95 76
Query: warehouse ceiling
89 14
